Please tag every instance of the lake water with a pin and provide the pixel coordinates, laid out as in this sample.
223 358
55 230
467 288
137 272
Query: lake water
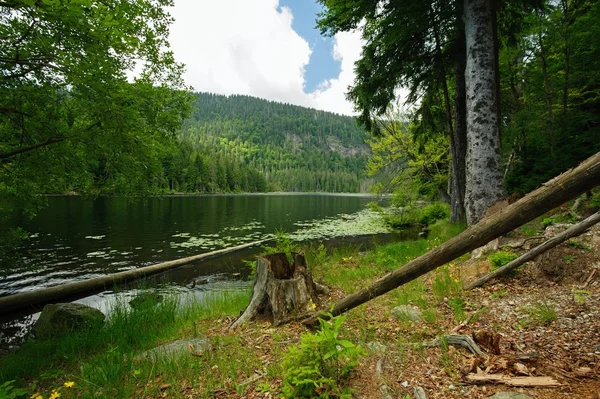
75 239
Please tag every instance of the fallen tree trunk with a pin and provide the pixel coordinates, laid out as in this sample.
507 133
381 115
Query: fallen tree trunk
43 296
553 242
552 194
284 291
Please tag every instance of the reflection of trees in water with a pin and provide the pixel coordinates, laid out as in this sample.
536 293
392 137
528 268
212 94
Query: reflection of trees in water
13 332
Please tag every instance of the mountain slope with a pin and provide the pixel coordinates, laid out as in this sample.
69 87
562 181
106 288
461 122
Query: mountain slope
296 148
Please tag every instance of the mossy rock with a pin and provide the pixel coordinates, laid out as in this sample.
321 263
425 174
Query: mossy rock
145 300
59 318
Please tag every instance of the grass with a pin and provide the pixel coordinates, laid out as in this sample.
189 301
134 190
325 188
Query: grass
101 360
541 313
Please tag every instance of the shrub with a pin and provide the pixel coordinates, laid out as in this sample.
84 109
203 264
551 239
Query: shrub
501 258
434 212
317 366
374 207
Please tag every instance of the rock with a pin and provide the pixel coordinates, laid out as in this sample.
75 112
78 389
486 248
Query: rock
407 313
509 395
58 318
376 347
195 346
419 393
555 229
145 300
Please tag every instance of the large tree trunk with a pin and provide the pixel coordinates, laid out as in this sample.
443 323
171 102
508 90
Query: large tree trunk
484 184
458 144
281 290
554 193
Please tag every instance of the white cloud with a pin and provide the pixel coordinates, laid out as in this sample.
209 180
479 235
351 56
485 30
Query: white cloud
249 47
331 95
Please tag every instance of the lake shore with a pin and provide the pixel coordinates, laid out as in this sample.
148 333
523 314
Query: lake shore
249 363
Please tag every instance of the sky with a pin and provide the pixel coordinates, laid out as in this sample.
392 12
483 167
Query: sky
264 48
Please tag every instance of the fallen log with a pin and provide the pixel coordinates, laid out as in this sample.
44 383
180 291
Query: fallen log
512 381
43 296
285 291
552 194
574 231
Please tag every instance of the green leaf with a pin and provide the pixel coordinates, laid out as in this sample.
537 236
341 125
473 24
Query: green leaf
346 343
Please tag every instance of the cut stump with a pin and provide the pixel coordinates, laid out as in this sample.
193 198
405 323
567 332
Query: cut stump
281 290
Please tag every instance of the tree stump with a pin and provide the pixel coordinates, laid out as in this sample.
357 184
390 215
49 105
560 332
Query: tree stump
281 290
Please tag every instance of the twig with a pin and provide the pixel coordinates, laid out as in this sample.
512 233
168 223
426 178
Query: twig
589 278
467 321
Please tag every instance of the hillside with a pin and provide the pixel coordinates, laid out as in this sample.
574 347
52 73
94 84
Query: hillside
295 148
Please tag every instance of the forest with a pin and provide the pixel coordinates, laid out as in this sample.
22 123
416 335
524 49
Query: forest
72 121
502 95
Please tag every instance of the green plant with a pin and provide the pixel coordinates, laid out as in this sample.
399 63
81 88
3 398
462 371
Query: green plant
548 222
430 316
541 313
434 212
569 259
444 285
8 391
458 307
283 243
501 258
580 295
318 365
500 293
578 245
374 207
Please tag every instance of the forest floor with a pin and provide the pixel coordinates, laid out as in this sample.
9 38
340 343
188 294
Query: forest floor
543 320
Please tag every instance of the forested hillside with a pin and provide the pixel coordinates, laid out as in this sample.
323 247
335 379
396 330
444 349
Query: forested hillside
295 148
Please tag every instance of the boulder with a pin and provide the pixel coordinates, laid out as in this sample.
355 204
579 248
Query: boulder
58 318
193 346
407 313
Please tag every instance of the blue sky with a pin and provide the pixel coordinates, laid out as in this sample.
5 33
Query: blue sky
322 65
264 48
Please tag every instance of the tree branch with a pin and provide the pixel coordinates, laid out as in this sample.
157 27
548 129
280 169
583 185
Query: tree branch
7 155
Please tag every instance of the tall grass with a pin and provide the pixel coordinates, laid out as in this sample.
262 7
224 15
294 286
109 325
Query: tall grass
103 357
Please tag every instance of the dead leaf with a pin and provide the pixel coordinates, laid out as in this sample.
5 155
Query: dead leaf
521 369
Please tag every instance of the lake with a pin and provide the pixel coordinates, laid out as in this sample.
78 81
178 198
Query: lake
75 238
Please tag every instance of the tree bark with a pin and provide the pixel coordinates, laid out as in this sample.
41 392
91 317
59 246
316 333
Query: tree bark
484 184
459 139
554 193
553 242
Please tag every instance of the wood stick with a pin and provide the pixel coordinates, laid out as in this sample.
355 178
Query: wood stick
43 296
590 278
552 194
547 245
512 381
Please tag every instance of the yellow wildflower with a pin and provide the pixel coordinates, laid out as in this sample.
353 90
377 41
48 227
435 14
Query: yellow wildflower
36 396
55 394
69 384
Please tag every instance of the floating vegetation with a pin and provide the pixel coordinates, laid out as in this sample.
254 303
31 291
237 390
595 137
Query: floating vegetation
363 222
97 254
254 225
95 237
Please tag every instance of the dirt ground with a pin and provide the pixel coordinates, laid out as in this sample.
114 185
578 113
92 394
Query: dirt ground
542 321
